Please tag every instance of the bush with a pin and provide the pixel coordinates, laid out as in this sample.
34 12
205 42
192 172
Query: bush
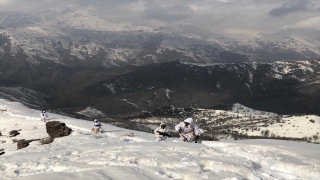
315 137
266 133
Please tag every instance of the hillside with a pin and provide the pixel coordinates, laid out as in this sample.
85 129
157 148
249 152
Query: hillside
111 155
282 87
239 122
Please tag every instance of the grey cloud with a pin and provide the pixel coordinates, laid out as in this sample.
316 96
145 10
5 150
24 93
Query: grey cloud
106 4
290 7
256 15
172 13
36 5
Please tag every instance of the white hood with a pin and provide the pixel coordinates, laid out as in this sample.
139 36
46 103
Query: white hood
193 125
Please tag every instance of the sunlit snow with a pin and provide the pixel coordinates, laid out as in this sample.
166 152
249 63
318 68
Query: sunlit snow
112 155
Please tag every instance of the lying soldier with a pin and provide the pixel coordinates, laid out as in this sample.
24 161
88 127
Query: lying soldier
161 133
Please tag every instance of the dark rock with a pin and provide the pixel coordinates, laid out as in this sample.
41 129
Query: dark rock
57 129
1 153
13 133
22 143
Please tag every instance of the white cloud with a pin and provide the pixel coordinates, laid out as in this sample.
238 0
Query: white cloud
311 23
4 2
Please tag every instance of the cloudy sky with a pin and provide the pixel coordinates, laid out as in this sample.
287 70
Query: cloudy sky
227 15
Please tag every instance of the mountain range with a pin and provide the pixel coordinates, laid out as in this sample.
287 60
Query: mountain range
72 60
74 38
282 87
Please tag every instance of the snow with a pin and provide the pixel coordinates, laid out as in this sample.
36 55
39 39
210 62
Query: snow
278 69
248 86
91 112
262 86
128 102
44 27
239 108
167 91
113 155
250 78
121 41
111 88
218 85
281 69
295 126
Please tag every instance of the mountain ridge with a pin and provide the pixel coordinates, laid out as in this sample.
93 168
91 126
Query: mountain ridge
283 87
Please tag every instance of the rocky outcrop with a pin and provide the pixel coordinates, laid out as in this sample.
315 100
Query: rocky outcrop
13 133
22 143
57 129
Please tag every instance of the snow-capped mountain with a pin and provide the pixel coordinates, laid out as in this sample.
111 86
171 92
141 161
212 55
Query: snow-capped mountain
74 38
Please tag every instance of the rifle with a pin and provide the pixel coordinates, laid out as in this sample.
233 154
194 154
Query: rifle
164 134
184 137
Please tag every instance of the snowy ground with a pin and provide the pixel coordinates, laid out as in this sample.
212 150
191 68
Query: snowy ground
111 155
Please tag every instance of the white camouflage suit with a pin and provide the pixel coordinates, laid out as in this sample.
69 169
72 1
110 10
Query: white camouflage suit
97 126
43 116
189 132
158 136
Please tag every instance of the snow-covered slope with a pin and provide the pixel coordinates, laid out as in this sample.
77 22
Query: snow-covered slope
239 108
112 155
249 122
239 122
25 96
